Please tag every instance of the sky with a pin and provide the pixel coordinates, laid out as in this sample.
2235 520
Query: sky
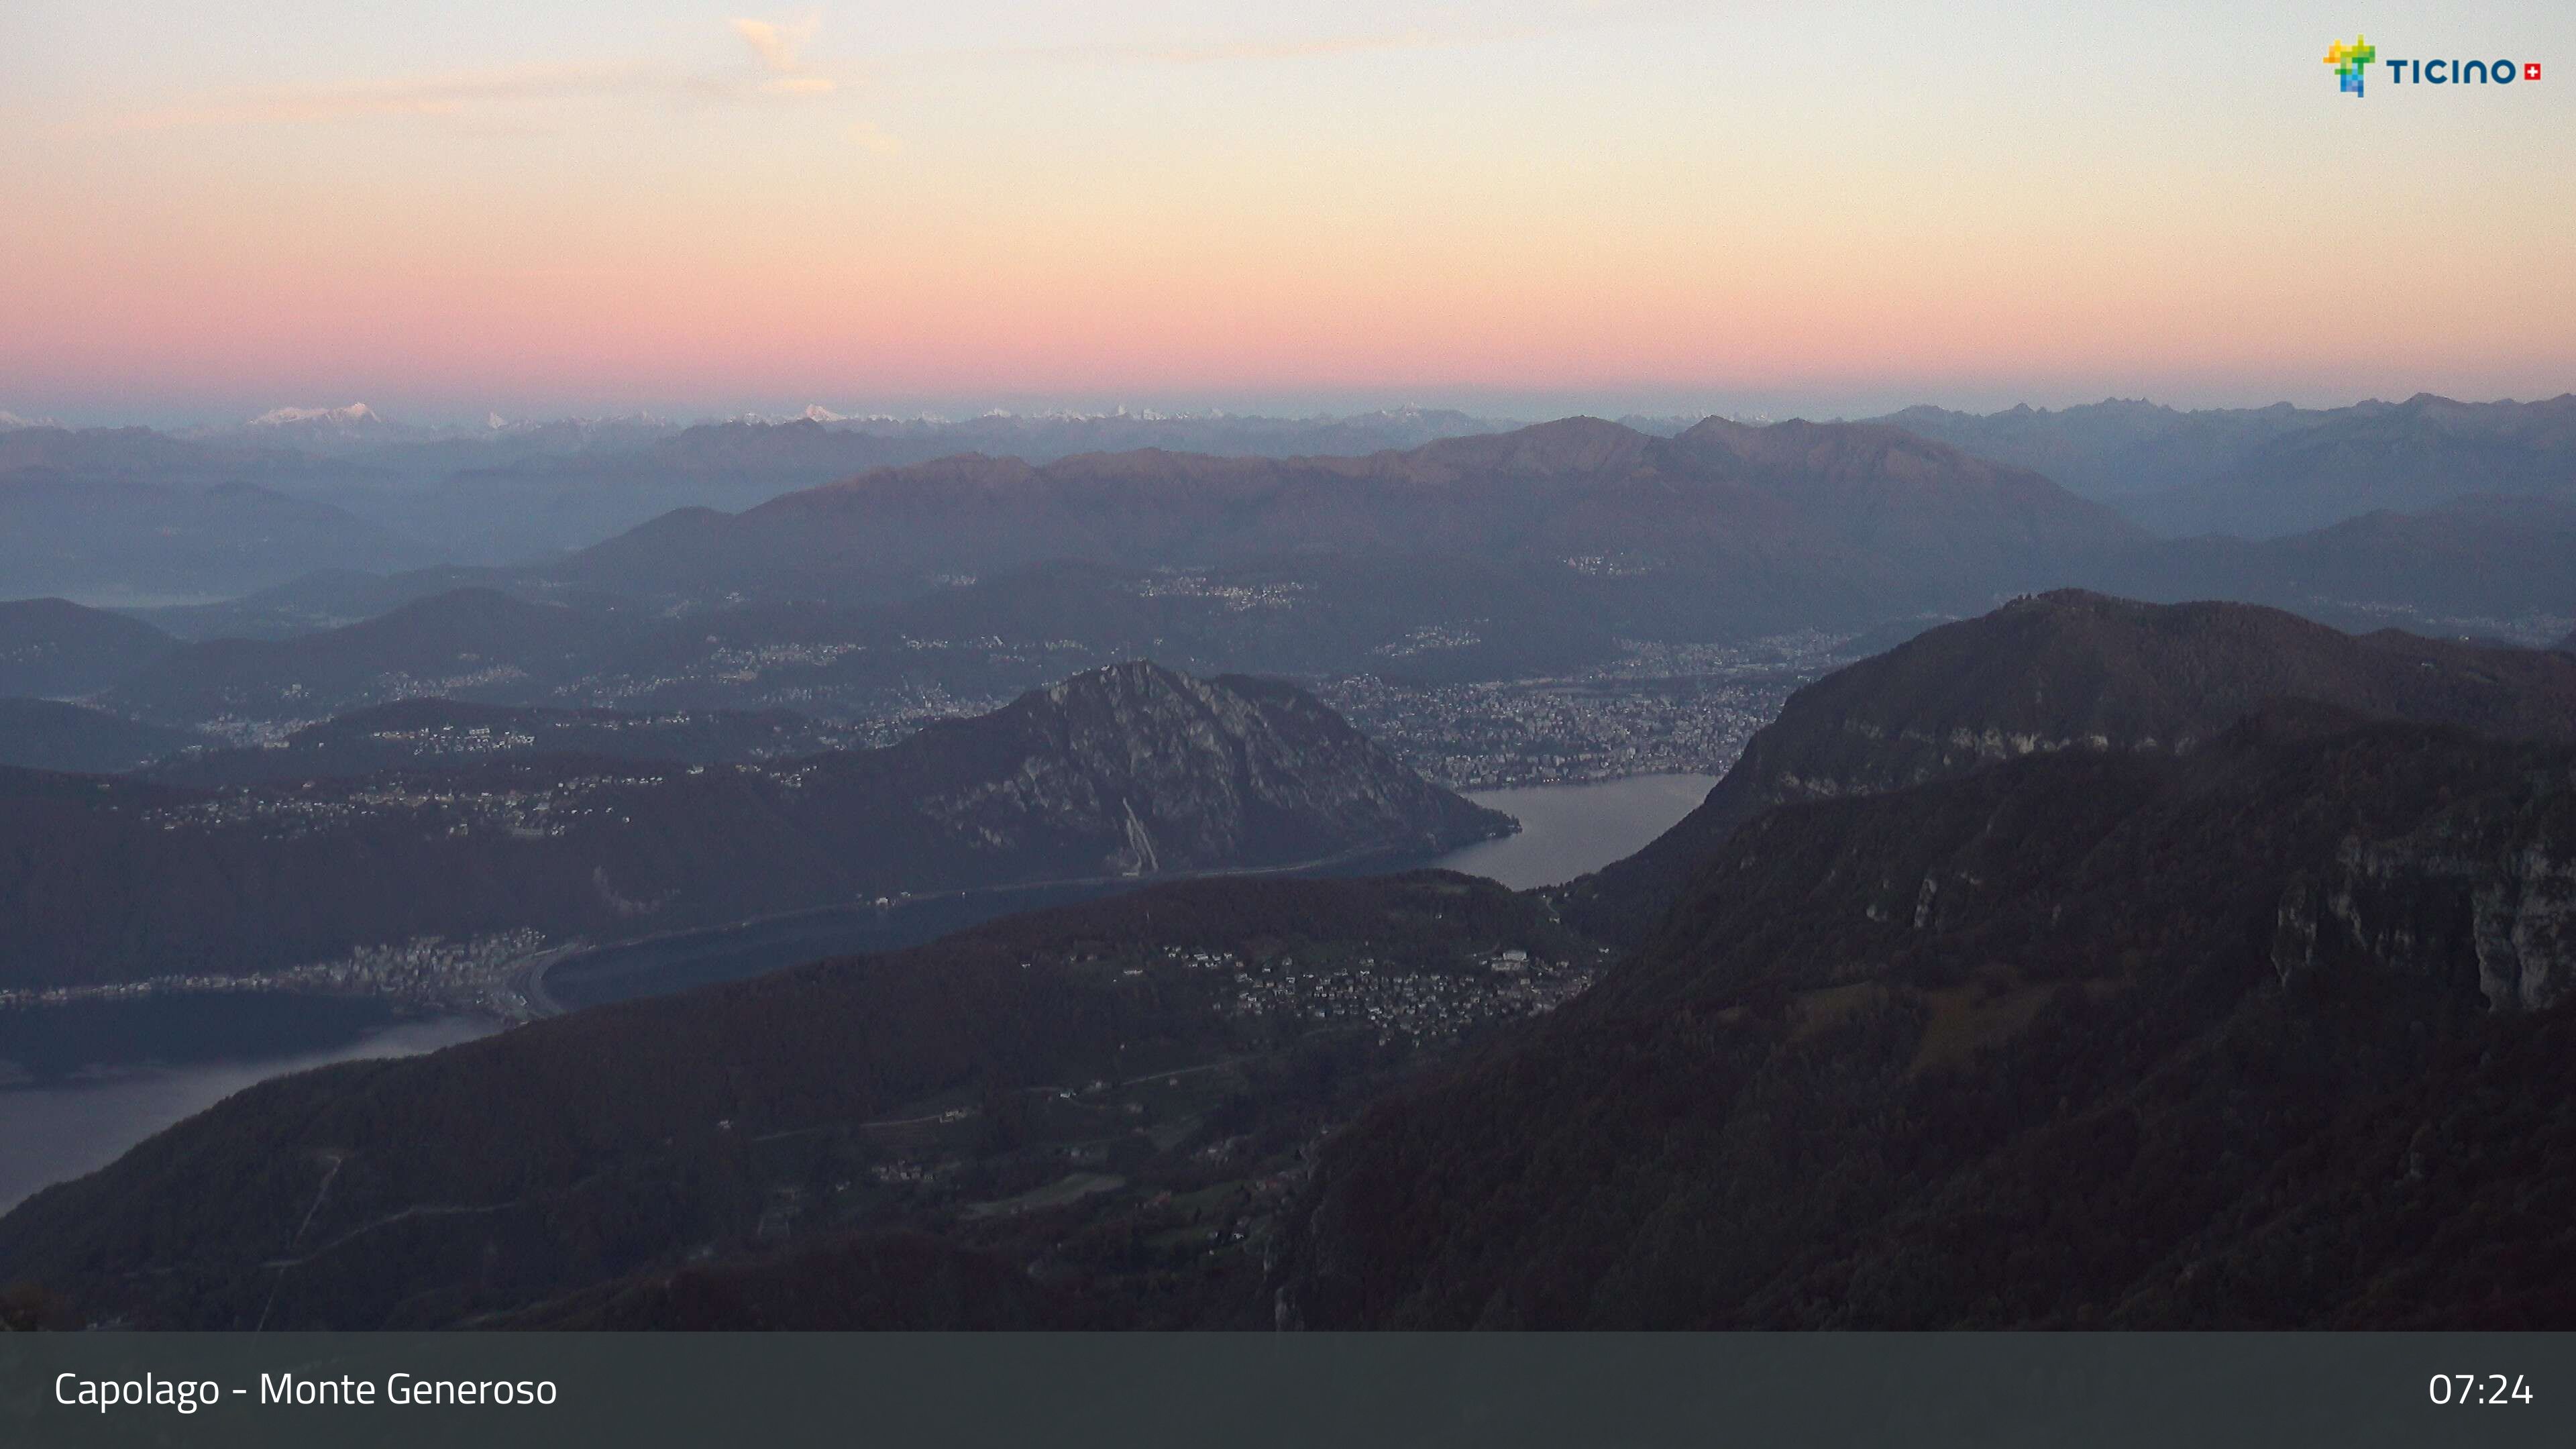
1522 207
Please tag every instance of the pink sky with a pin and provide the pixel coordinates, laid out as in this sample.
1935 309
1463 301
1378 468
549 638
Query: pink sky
1598 204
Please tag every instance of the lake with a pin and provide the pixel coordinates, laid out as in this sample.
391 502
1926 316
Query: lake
660 965
81 1083
1567 830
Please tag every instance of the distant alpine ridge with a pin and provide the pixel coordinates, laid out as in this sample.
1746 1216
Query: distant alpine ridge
1721 512
107 512
2264 472
1721 530
1703 525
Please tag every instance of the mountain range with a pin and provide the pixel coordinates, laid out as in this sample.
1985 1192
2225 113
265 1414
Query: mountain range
941 587
1131 772
1715 530
1870 512
2089 963
1722 530
2265 472
505 494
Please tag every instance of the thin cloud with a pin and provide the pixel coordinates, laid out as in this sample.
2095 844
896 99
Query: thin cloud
1321 47
776 43
867 137
1317 49
1588 15
446 95
471 94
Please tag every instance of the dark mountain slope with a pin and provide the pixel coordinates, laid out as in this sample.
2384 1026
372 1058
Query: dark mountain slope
527 1169
2498 561
2070 671
1128 771
44 734
1888 494
2233 1039
870 1282
450 643
68 532
54 647
324 599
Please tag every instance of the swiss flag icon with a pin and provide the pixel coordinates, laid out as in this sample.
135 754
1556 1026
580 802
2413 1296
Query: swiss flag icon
2531 71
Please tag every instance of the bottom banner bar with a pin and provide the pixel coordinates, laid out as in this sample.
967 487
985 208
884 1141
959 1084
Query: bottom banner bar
1146 1391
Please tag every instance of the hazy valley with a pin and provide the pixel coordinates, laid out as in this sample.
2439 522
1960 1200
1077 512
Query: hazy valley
2043 957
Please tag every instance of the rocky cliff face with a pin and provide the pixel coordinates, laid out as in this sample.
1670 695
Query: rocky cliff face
2073 672
2493 883
1142 771
2258 1035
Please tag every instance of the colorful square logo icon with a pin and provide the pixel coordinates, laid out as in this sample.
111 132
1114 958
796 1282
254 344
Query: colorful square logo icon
2351 62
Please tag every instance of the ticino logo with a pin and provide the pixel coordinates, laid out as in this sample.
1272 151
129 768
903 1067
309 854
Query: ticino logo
2352 62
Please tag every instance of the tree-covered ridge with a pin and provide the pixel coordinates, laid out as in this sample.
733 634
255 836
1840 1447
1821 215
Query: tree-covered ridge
946 1089
2255 1036
2072 671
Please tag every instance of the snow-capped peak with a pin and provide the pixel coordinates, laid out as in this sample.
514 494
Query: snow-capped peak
817 413
11 421
354 415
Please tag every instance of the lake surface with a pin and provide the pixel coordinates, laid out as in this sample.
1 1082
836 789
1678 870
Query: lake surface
1567 830
79 1084
661 965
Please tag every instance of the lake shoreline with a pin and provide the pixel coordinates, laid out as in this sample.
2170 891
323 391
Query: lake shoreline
83 1081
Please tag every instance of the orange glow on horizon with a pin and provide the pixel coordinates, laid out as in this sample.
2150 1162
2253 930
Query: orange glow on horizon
1498 215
